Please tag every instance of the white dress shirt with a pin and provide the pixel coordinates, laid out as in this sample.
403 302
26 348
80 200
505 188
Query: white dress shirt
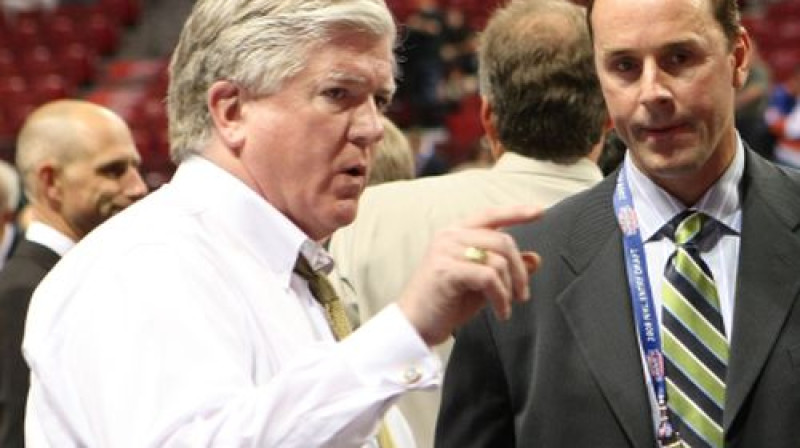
655 208
179 323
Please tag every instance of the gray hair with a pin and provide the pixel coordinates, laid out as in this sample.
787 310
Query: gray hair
257 44
9 187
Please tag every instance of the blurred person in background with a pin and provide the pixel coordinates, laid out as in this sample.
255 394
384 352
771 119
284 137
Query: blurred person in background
393 156
79 167
9 203
783 118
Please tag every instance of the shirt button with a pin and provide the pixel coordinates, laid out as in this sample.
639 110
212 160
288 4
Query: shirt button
412 375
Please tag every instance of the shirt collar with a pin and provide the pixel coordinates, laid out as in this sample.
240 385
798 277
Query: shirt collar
655 207
584 168
49 237
240 214
318 258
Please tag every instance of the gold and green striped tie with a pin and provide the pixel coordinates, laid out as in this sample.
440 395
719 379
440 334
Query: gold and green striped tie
693 337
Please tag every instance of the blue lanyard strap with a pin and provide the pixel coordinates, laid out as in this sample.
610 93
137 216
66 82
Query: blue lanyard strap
642 301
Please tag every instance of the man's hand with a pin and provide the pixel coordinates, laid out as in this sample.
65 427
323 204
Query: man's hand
466 265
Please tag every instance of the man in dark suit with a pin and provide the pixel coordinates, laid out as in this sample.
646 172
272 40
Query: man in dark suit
569 369
79 166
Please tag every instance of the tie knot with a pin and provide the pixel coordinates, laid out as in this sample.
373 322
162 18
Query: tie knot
689 228
303 268
316 282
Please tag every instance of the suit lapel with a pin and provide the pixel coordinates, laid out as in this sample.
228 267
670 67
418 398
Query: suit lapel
767 283
39 254
597 304
597 308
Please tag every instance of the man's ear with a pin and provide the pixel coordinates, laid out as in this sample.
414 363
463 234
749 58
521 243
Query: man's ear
49 182
742 55
225 101
490 128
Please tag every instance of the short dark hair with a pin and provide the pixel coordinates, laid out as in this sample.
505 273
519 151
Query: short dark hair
726 13
536 69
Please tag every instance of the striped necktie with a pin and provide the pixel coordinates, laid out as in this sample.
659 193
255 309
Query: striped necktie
695 347
323 292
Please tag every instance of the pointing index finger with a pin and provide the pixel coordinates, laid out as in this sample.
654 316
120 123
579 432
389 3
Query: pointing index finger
495 218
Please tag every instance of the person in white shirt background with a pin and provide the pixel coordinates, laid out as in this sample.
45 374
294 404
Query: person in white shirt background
180 322
79 166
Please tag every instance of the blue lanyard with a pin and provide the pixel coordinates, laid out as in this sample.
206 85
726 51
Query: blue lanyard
643 307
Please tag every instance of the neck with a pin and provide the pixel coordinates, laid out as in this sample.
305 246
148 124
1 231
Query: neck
56 221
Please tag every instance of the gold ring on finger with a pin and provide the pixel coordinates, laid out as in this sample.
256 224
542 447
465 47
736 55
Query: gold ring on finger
476 255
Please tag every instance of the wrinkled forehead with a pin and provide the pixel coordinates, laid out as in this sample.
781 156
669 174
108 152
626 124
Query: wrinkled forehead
357 58
357 41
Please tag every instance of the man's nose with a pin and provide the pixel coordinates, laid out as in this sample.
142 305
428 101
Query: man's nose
134 186
653 84
367 127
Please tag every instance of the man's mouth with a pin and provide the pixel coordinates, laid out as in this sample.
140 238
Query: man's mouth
359 170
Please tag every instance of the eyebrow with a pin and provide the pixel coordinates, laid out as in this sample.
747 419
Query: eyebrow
682 43
352 78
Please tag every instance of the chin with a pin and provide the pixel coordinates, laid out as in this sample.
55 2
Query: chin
675 168
345 214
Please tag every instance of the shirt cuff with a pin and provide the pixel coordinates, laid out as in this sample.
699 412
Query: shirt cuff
386 350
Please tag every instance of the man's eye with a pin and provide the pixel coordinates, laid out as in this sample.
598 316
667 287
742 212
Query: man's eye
382 102
336 93
678 58
622 66
114 170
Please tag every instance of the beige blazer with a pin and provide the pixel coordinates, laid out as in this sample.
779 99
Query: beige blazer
377 253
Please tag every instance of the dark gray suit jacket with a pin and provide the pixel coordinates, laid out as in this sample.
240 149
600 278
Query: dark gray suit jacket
565 371
18 279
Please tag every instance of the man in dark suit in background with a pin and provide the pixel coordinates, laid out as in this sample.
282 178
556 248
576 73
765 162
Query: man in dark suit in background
569 369
79 166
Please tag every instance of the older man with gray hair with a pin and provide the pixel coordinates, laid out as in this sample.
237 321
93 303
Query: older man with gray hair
201 317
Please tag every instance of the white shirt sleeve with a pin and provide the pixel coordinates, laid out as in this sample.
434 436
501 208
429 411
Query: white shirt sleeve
185 358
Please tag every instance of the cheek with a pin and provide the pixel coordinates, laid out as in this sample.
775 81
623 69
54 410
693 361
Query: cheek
619 102
103 191
77 191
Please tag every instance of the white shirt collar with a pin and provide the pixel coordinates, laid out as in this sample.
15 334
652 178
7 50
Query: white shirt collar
242 213
655 207
47 236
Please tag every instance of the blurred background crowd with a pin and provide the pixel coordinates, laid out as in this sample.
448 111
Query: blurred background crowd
115 52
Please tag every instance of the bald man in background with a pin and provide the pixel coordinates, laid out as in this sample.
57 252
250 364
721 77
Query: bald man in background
79 166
